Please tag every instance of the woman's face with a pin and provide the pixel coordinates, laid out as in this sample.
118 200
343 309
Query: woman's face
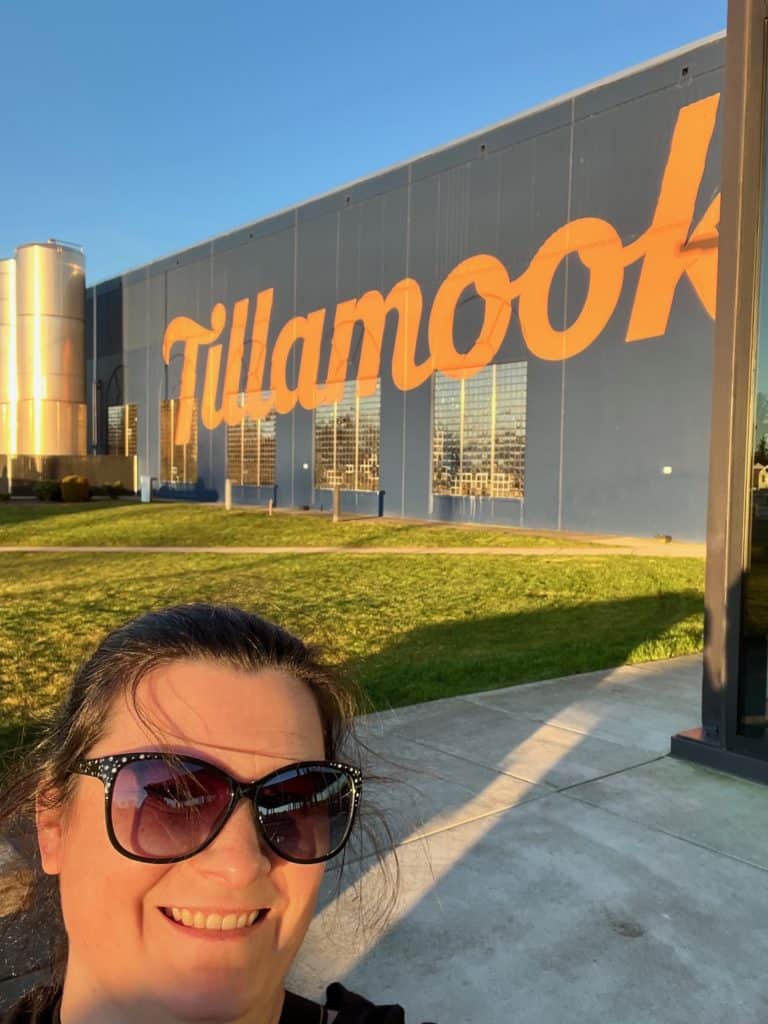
123 949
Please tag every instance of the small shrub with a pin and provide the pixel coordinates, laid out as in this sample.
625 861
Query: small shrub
113 490
75 488
47 490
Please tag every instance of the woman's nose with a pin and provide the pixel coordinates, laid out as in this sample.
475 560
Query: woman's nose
238 853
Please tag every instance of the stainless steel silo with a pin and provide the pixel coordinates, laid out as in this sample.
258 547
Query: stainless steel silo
8 376
50 344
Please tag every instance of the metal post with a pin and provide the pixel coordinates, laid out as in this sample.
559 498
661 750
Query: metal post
228 495
730 465
336 503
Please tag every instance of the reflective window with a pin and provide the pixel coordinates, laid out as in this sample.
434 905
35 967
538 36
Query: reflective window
251 451
478 439
752 723
178 462
122 424
347 441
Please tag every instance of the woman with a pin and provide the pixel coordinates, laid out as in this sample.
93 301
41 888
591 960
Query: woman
186 799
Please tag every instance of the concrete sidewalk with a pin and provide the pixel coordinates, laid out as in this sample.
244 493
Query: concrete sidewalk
556 865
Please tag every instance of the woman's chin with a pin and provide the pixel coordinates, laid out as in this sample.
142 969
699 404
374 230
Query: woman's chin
209 1003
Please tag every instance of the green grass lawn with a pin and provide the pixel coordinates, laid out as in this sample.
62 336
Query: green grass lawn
411 628
170 524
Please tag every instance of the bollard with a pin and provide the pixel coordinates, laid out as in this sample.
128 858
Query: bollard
228 495
269 506
336 504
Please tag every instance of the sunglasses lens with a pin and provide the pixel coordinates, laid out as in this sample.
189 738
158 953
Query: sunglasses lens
166 809
307 812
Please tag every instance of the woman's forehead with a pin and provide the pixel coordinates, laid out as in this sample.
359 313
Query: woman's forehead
205 706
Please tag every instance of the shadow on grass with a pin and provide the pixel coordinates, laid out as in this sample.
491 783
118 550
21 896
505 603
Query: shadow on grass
421 790
471 655
15 739
470 774
14 513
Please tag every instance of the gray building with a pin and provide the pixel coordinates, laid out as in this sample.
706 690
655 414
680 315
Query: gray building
515 329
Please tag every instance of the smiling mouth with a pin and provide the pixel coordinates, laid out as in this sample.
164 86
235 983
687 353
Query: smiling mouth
214 922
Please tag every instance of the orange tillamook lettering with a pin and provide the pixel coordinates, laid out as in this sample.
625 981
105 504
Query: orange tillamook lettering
599 248
490 280
211 413
371 310
309 331
258 406
670 250
193 336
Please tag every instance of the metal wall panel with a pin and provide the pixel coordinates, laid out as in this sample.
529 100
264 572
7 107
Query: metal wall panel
632 409
600 426
533 203
395 265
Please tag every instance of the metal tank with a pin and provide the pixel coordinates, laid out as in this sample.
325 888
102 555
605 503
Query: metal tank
50 345
8 378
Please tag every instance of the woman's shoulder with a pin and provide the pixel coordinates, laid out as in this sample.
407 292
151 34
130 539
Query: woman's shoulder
40 1006
352 1008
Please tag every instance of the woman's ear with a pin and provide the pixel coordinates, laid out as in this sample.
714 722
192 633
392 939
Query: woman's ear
48 821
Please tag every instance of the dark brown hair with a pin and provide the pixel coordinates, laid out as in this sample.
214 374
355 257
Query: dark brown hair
218 633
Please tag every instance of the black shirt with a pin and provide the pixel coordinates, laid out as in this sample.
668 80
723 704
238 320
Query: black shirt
42 1007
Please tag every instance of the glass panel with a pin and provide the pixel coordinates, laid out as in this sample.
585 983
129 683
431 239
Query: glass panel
178 462
166 440
235 453
267 451
122 426
115 430
478 440
509 431
347 441
131 429
251 452
753 654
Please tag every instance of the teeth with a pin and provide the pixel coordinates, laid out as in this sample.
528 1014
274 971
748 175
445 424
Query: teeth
213 922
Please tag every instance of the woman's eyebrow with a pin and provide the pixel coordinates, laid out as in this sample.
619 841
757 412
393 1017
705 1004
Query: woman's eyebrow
209 756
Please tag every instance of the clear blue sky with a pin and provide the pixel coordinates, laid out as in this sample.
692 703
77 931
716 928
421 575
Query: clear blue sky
139 128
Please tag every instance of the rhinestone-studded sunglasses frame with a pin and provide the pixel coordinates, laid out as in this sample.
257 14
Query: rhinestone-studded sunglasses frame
107 768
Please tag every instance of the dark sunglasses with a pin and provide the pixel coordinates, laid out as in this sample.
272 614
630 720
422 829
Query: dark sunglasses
164 808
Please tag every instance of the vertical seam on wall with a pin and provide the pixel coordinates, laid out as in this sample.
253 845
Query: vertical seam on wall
293 354
94 376
561 472
313 465
166 369
212 433
404 393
